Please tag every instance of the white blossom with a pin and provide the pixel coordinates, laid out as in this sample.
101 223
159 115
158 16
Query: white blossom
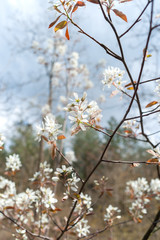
72 182
35 45
46 109
2 140
113 75
57 67
82 113
41 60
13 162
70 155
111 214
49 128
48 198
82 228
155 188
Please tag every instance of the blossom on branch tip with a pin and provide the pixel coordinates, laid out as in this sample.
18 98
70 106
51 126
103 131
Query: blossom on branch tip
49 129
13 162
82 228
82 113
111 214
113 76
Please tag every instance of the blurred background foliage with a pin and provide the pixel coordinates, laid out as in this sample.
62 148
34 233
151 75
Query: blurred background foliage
88 146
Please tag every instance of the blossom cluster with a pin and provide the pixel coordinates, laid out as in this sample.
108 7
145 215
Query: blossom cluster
82 113
68 177
83 207
131 127
141 193
113 76
155 153
49 129
111 214
13 163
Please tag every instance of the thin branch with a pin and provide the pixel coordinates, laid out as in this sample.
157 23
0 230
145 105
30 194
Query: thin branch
150 80
136 21
62 155
152 227
27 231
144 115
130 162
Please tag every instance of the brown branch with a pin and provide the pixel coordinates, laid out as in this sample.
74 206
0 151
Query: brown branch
152 227
144 115
62 155
130 162
150 80
136 21
27 231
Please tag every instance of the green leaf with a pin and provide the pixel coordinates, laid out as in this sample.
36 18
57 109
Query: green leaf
60 25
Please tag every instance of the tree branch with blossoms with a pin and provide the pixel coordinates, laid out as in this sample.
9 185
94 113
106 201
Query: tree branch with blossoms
40 207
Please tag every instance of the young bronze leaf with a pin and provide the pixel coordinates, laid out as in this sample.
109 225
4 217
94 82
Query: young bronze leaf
151 104
80 4
60 25
93 1
56 8
75 8
130 84
67 33
54 22
153 160
130 88
120 14
123 1
55 210
128 131
60 137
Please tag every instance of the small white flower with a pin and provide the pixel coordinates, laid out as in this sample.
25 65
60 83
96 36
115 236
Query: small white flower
111 214
2 140
13 162
41 60
82 228
112 75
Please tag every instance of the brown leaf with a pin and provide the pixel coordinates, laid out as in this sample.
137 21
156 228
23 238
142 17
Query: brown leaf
130 88
123 1
55 210
46 139
75 8
93 1
10 173
67 33
80 4
60 25
153 160
130 84
60 137
56 8
128 131
120 14
151 104
54 22
1 147
9 207
53 151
